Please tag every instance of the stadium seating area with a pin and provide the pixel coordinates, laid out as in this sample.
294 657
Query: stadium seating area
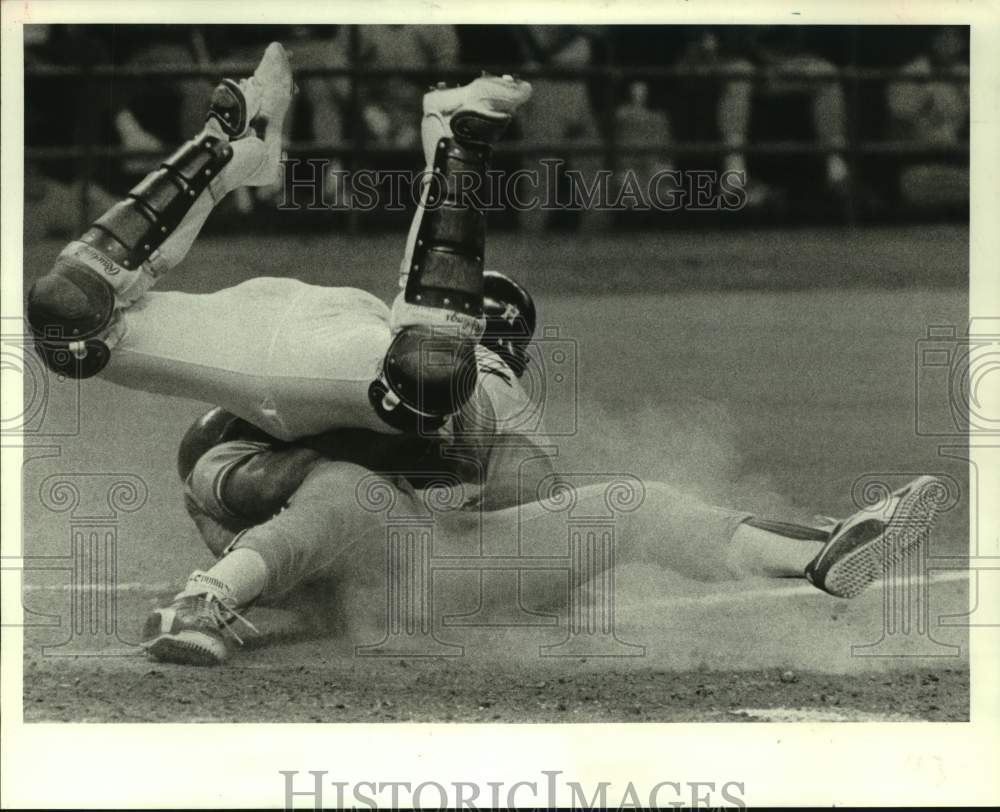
836 123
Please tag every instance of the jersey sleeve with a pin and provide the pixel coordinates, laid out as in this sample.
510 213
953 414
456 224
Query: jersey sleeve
500 435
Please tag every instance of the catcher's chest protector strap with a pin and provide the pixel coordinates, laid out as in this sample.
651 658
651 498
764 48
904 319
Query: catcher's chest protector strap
129 232
447 266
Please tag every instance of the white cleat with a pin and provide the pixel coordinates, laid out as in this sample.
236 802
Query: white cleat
195 627
479 111
253 110
868 543
269 91
269 94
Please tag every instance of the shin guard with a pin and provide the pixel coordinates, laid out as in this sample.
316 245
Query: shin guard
129 233
447 267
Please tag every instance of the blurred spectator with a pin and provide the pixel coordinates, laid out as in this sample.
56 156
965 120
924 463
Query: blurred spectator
791 80
708 109
320 108
559 109
391 106
762 96
169 108
934 113
639 125
52 207
57 115
325 98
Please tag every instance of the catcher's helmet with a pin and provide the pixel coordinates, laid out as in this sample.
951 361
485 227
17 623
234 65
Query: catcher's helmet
212 428
510 319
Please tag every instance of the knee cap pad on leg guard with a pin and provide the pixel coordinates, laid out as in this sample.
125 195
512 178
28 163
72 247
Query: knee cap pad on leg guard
426 377
447 266
130 231
68 310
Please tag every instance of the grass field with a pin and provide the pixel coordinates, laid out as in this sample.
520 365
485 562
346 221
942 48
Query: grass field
774 371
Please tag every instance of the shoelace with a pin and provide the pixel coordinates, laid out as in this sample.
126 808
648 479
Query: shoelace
225 615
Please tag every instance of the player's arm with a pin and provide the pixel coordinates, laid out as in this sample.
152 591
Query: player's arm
236 476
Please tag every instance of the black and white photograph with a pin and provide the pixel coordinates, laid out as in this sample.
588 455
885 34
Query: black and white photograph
500 376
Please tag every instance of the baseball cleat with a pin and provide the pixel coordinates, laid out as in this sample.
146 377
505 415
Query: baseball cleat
192 630
269 90
480 111
864 546
257 106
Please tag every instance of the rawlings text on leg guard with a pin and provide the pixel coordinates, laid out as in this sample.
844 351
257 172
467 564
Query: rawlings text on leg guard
426 377
447 267
131 231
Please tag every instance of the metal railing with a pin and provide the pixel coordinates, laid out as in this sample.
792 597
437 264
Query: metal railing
609 146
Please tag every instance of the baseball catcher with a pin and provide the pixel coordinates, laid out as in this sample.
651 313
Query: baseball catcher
296 359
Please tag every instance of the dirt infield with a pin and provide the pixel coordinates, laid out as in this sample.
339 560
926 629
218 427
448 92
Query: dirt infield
758 653
442 691
712 361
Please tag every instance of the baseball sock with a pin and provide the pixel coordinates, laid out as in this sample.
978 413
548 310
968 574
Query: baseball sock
237 578
789 530
756 551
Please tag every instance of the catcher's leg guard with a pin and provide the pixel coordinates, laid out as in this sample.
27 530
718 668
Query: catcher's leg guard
71 309
429 371
130 232
442 269
446 270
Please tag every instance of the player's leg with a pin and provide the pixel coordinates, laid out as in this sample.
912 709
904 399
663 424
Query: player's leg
74 310
671 529
437 318
292 358
326 532
847 556
323 533
234 477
